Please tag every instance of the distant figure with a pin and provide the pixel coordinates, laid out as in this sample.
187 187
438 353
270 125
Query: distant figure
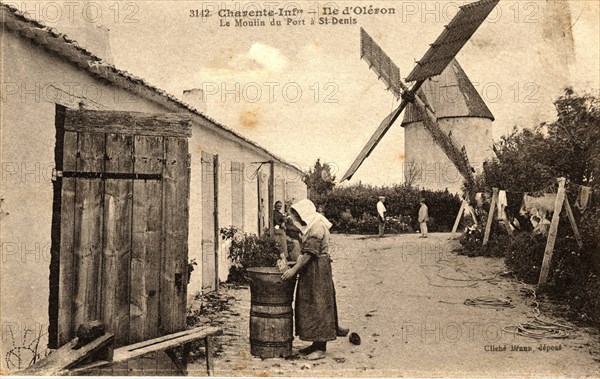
423 218
320 209
278 216
279 232
381 215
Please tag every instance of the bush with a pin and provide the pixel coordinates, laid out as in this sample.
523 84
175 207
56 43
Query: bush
573 276
524 255
248 250
575 273
532 159
402 204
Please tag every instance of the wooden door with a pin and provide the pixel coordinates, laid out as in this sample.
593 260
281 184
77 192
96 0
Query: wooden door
237 195
263 210
120 224
210 224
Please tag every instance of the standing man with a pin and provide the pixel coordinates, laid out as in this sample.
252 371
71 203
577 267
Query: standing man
423 218
381 215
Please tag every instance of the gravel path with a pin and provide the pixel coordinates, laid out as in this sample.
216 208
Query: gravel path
405 297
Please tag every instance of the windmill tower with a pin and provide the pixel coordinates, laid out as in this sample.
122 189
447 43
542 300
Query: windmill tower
434 63
462 113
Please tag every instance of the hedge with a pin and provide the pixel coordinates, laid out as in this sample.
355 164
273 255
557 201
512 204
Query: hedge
402 204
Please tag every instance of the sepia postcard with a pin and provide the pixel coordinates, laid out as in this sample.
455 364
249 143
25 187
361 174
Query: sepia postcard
350 188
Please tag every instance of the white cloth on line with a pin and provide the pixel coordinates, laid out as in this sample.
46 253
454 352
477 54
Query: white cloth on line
502 204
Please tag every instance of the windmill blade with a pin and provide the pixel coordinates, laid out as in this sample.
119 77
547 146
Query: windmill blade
374 140
453 38
380 62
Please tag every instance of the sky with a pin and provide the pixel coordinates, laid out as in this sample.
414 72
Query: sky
304 93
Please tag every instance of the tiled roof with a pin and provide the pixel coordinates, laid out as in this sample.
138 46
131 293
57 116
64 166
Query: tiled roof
450 94
70 50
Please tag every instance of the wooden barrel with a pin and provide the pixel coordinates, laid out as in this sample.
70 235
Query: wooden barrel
271 314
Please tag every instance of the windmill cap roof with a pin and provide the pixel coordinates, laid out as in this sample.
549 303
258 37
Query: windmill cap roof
451 94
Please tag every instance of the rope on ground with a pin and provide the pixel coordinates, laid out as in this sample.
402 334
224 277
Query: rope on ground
466 278
538 328
534 328
488 302
440 268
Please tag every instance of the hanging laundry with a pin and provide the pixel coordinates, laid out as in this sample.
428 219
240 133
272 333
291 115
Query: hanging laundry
502 203
479 199
583 198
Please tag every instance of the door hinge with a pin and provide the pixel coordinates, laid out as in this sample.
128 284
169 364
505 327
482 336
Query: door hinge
56 174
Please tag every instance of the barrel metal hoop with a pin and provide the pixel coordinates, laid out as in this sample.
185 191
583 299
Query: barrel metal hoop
261 304
271 315
270 343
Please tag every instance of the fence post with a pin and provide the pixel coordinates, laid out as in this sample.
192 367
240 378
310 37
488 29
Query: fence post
573 223
458 217
560 197
488 225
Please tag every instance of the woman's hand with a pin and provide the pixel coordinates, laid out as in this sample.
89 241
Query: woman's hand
288 274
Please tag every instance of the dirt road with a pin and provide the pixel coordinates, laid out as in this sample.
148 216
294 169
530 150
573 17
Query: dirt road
405 297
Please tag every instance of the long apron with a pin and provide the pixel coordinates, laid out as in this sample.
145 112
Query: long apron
316 316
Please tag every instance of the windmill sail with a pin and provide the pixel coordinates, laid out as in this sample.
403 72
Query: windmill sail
380 62
374 140
453 38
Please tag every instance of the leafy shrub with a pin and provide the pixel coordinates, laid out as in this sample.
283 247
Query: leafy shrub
472 240
248 250
532 159
575 273
525 252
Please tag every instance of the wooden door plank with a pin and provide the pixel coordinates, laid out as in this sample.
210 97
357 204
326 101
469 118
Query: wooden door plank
88 229
66 357
146 240
65 329
157 124
173 285
117 237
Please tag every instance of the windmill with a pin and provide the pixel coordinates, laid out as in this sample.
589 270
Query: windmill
440 54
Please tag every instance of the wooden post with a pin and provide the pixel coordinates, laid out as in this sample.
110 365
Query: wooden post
458 217
560 198
216 218
209 355
271 197
488 225
573 223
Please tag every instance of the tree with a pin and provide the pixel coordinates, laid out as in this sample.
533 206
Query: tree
319 180
412 173
568 147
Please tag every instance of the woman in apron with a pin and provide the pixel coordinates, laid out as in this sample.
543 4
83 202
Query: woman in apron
316 313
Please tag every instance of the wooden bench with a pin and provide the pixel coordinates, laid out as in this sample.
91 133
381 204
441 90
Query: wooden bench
66 360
